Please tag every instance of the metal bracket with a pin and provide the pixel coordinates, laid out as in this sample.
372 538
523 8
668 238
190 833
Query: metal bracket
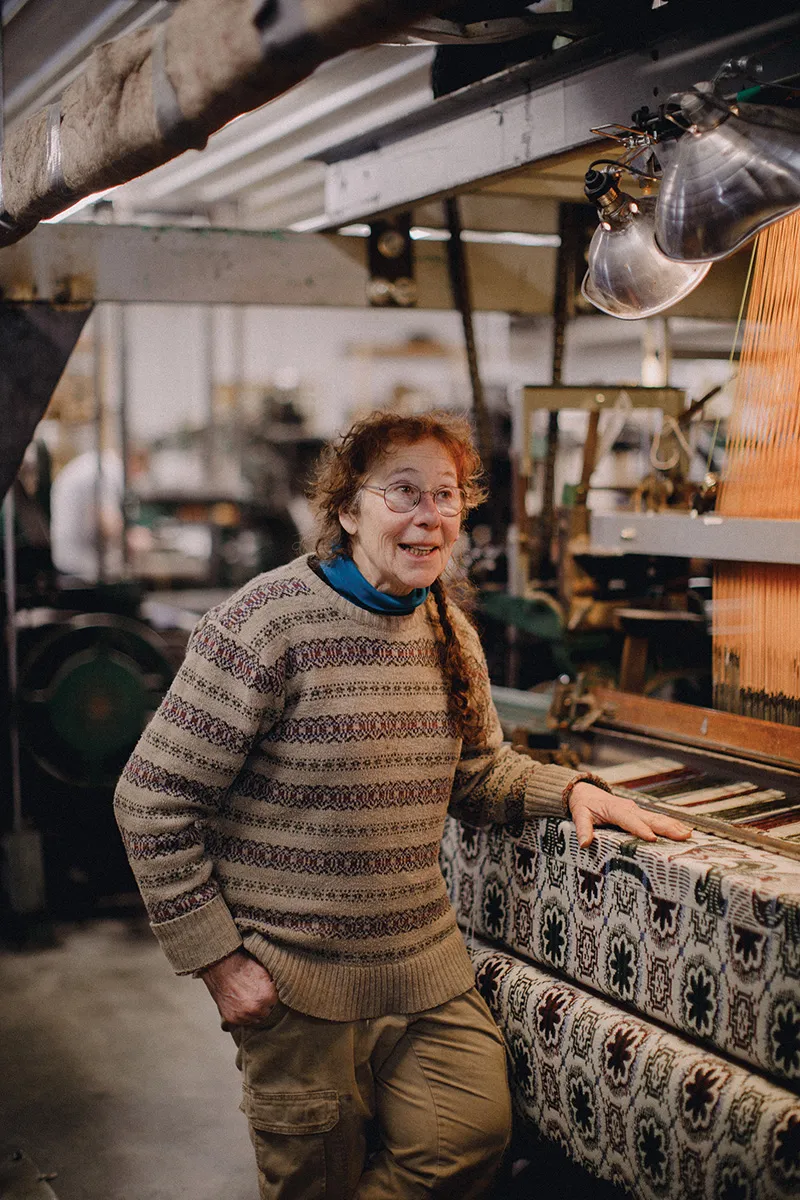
573 706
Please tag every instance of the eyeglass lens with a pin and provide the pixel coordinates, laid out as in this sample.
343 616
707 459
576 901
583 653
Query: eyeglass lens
405 497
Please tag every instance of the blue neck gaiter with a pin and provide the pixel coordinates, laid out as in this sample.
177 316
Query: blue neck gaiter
344 577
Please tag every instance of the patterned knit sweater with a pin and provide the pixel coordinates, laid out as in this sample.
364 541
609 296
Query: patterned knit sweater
290 795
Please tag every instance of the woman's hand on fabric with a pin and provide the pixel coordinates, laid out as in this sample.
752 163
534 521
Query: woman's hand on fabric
591 806
243 990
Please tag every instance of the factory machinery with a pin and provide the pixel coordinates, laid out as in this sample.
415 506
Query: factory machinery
650 994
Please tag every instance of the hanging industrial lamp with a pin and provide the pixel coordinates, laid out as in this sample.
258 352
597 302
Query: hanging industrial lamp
735 170
627 274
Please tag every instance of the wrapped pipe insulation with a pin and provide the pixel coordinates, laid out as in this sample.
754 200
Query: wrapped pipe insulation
148 96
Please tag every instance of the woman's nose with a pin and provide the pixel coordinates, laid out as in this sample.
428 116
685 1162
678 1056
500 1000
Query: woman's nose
426 511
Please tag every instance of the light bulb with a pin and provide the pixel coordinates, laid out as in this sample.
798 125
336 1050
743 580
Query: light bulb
628 276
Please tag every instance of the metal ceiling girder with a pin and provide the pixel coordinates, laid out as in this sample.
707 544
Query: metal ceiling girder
36 341
129 263
436 158
679 535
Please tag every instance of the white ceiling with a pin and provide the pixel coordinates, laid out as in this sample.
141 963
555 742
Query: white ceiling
261 170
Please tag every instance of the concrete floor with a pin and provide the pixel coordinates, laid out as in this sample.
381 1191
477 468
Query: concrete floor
118 1084
115 1074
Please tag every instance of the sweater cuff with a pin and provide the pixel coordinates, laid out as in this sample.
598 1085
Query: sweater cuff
200 938
550 788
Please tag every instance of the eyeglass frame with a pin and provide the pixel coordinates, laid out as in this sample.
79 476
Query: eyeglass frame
433 492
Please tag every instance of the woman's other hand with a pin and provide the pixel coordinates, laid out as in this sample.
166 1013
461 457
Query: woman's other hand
243 990
591 806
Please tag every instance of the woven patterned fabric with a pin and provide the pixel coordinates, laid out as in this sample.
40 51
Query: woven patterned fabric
702 935
634 1103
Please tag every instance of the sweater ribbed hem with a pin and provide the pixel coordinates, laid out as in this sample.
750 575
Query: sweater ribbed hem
349 992
550 788
199 938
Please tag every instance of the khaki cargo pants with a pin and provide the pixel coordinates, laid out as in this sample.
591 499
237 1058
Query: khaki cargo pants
392 1108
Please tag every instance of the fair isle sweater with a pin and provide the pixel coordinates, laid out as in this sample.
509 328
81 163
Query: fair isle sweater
289 795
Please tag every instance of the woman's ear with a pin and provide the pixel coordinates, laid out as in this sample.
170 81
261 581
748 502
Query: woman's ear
348 521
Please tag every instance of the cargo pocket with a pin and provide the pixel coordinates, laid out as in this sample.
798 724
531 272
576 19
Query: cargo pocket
291 1133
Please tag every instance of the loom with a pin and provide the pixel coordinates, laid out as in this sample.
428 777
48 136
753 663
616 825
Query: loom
756 665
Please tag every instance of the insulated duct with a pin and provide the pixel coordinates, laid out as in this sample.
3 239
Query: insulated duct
148 96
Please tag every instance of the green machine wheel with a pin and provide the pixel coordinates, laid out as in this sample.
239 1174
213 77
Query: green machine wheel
87 688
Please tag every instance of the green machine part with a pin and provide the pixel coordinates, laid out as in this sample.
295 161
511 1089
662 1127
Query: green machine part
87 688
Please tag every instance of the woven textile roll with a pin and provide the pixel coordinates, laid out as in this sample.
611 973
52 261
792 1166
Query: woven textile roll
757 606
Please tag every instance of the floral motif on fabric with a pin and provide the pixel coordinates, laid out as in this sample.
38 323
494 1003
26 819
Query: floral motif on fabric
553 934
550 1014
590 888
619 1053
523 1068
784 1035
651 1139
663 917
786 1150
495 909
582 1106
699 996
468 842
747 948
699 1095
488 977
621 964
525 861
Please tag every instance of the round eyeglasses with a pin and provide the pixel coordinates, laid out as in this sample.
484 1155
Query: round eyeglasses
404 498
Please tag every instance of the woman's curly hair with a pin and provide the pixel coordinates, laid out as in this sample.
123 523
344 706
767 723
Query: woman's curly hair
344 467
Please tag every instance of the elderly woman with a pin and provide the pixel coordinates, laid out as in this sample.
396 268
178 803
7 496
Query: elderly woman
283 813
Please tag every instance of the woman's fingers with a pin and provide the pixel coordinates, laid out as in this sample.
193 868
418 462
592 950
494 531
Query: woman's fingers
668 827
590 805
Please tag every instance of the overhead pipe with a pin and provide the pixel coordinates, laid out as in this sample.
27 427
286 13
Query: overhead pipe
148 96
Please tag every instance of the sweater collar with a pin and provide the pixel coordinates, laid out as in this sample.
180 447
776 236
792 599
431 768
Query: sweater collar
344 576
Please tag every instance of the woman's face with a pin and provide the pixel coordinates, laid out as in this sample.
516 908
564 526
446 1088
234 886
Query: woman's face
397 552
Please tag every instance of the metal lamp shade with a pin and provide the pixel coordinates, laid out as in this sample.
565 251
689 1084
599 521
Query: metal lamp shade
628 276
730 177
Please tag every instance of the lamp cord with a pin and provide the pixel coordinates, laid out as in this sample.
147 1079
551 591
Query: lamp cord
745 292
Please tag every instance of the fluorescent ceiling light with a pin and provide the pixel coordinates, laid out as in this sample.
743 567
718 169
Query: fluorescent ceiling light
419 233
311 225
